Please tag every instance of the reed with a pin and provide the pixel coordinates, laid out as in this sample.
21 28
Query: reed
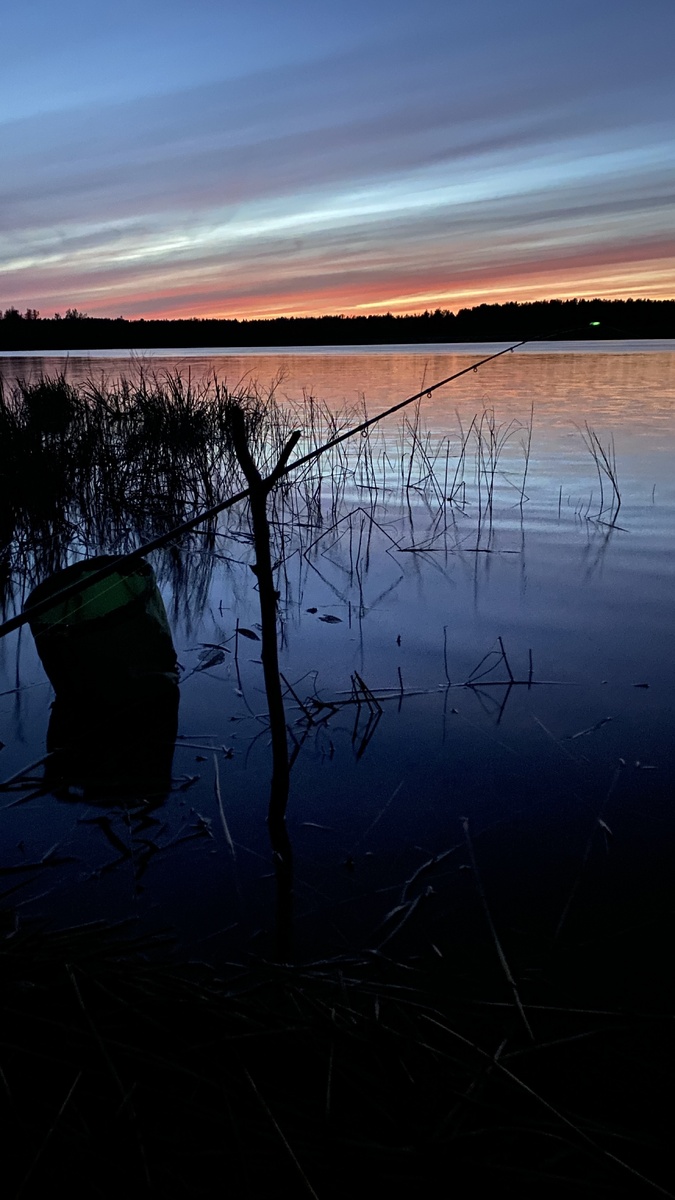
604 458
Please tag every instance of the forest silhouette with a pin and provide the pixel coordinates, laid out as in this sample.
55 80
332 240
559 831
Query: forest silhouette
576 319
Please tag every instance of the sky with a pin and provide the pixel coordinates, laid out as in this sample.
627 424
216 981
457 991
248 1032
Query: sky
292 157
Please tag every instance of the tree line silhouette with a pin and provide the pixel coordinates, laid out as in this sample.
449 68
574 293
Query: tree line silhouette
577 319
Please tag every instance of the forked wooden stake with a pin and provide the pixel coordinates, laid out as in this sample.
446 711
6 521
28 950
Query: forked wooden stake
259 490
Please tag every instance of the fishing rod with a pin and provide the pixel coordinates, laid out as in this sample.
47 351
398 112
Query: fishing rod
426 391
157 543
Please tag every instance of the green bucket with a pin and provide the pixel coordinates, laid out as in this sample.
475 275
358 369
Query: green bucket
110 635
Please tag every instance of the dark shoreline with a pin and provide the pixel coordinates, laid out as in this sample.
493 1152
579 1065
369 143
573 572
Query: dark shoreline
591 320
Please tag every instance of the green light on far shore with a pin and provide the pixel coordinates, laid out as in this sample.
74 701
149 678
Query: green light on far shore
594 322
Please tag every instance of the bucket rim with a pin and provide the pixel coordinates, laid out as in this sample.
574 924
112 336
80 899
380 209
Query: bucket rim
67 576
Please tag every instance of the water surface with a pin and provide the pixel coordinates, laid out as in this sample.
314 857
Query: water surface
421 591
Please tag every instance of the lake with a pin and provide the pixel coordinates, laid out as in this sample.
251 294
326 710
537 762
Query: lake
552 778
456 953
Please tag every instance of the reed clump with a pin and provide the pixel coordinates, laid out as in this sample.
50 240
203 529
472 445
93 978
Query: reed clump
101 466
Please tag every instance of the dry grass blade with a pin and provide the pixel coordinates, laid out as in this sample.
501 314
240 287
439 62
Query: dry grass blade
408 910
125 1095
31 1170
584 1137
584 860
378 818
221 810
282 1136
498 946
24 772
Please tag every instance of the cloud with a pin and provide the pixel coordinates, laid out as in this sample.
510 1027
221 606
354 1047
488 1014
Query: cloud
526 142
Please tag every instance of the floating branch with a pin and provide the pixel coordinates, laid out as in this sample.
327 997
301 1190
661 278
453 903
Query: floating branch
317 711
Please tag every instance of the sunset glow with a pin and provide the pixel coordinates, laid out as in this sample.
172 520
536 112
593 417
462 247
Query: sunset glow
178 162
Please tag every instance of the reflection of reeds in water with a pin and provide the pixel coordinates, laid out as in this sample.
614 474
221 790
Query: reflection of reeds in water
103 466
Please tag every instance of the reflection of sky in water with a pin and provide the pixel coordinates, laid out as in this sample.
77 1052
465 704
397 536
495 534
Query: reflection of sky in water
593 604
626 389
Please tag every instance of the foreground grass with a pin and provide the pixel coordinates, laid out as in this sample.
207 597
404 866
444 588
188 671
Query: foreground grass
125 1071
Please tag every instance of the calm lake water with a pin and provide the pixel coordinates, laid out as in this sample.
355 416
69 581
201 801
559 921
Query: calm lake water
563 781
